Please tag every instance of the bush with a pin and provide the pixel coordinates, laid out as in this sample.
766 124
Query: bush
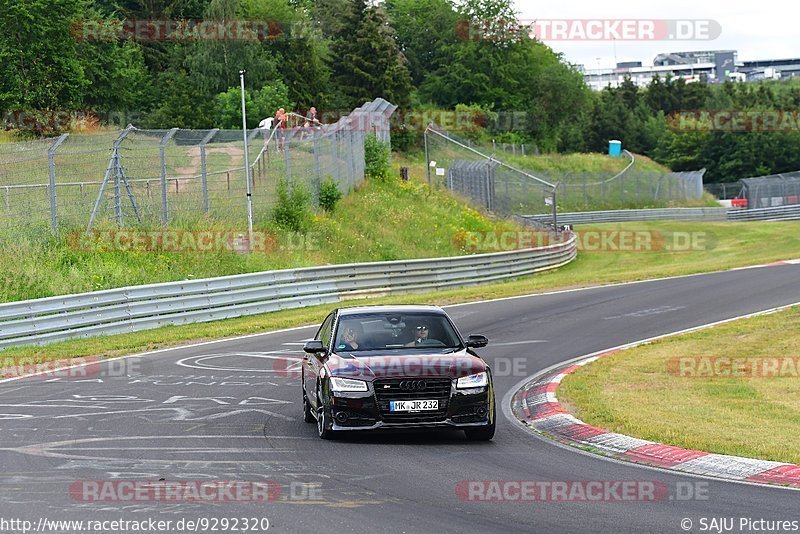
329 194
293 209
376 157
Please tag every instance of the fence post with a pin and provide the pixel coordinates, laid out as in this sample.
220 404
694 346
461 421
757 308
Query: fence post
286 158
203 168
162 152
427 155
51 166
335 155
8 204
622 188
351 168
585 197
117 191
317 170
113 165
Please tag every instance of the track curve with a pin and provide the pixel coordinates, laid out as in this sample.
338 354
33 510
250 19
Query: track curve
230 410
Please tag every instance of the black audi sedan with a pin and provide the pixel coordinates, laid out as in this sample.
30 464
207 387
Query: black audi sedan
375 367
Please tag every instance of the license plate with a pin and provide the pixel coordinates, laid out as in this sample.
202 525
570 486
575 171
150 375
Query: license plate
413 406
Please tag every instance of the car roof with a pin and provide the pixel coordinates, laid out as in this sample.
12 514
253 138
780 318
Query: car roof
390 309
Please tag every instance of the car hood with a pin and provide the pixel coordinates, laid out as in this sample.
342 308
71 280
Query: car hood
386 365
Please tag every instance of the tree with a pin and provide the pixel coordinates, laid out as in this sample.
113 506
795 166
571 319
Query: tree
305 64
260 104
367 62
425 30
41 66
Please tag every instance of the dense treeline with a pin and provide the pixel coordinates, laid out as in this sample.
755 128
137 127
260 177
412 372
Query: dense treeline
733 130
122 57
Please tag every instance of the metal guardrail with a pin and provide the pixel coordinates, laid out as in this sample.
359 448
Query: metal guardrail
655 214
777 213
135 308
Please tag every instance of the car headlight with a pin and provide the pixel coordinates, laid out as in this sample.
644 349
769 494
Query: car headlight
473 381
348 384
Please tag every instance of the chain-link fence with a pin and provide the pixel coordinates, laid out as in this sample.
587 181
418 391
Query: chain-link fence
629 189
147 178
724 191
487 181
575 191
771 191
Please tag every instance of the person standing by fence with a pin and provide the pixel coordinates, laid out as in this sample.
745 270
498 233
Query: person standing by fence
280 124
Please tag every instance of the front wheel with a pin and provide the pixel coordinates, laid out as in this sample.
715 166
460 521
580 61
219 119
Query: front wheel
308 415
323 422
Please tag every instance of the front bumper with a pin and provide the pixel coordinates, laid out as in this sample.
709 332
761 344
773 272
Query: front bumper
459 408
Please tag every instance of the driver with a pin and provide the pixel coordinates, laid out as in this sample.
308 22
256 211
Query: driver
421 338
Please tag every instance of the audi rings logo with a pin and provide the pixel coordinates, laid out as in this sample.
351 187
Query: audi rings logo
413 385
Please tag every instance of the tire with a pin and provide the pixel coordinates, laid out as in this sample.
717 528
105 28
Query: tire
308 415
322 422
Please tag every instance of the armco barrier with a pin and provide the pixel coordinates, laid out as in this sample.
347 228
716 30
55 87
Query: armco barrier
656 214
135 308
778 213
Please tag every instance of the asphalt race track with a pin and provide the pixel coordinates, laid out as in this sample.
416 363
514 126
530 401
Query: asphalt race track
231 411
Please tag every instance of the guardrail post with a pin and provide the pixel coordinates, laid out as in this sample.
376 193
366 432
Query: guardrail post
51 167
203 169
162 152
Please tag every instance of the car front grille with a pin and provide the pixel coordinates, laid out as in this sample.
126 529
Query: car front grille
389 389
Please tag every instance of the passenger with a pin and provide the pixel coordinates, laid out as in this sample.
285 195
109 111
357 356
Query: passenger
349 339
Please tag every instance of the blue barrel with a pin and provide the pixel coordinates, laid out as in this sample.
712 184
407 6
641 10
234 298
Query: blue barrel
615 148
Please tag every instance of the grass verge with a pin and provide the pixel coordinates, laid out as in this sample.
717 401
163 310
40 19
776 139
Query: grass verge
734 245
423 223
684 391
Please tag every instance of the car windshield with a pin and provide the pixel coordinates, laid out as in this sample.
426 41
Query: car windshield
387 331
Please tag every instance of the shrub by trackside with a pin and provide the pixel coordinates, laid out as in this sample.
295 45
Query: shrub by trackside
293 208
376 158
329 194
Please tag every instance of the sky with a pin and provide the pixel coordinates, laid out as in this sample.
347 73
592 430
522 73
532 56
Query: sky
763 29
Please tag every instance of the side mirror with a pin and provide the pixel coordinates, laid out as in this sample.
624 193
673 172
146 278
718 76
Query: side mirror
477 341
314 346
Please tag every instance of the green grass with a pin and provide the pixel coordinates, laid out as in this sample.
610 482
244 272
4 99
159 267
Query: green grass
642 392
379 221
736 245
